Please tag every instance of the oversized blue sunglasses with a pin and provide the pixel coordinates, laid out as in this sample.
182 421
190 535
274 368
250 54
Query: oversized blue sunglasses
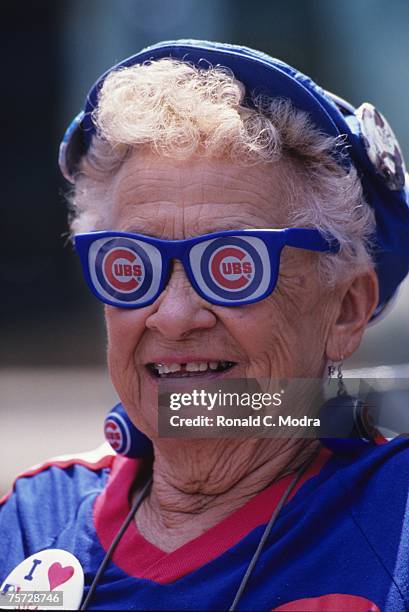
228 268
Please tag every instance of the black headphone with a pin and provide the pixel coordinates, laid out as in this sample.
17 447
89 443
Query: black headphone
348 426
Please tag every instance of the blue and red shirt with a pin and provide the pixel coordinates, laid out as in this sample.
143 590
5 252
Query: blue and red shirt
340 543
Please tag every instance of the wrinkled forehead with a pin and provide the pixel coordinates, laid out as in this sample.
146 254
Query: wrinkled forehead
176 199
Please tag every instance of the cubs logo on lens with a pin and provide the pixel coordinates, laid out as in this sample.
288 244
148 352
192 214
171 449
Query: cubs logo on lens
123 269
232 268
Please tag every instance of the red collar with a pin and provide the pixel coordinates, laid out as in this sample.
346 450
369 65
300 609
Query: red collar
141 559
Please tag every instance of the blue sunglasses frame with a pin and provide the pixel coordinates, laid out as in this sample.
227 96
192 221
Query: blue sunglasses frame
274 240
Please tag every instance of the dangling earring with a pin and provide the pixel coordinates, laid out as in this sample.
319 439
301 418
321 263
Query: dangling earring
330 371
340 376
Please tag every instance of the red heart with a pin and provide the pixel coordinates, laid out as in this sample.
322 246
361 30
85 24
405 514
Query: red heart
57 574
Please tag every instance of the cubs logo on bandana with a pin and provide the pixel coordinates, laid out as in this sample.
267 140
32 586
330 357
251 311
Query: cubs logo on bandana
231 267
381 146
123 269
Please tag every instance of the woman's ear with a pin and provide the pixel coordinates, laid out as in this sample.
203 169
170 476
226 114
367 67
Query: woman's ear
358 300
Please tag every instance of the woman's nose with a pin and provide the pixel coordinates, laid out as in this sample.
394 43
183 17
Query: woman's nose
179 310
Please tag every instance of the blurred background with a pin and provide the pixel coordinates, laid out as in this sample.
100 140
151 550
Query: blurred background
54 389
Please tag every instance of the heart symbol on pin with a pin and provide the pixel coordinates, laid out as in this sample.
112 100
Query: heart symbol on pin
57 574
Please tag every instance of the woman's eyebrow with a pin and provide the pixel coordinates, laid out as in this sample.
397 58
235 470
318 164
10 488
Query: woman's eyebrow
194 234
139 228
143 232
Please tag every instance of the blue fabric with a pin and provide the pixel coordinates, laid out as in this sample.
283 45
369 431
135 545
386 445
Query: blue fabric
346 531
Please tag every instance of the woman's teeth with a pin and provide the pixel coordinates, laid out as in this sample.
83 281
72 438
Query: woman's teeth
191 368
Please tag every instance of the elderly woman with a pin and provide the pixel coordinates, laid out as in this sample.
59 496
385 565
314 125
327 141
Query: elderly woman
238 222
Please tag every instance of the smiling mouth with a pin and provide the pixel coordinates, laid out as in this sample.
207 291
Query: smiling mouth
190 369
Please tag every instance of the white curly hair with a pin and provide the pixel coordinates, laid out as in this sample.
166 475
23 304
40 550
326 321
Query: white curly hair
178 110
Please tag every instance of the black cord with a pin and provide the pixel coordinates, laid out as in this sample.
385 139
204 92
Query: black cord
115 542
267 531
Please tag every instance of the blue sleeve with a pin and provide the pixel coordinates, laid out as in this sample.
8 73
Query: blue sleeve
40 508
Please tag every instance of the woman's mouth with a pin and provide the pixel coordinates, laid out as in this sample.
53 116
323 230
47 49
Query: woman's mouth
189 369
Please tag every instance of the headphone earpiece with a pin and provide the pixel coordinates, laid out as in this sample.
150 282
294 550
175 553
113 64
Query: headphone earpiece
124 437
347 426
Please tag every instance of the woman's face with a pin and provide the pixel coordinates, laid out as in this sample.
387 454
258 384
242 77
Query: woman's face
282 336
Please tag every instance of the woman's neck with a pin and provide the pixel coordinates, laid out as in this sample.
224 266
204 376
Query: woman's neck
197 483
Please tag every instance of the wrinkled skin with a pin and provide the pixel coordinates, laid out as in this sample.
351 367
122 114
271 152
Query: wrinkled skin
292 333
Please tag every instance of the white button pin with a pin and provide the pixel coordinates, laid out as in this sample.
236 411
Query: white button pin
382 146
49 571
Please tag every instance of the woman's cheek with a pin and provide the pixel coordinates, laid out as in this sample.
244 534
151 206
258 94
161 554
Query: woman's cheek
124 331
272 333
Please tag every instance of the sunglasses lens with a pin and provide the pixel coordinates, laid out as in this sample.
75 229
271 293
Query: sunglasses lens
124 271
232 269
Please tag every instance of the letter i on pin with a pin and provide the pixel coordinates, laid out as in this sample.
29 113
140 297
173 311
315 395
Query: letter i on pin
47 571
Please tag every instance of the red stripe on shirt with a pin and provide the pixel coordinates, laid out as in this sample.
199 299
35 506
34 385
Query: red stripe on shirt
139 558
